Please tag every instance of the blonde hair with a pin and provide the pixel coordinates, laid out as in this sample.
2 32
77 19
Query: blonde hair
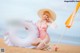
49 16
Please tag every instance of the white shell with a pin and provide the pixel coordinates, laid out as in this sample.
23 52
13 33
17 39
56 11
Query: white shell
14 40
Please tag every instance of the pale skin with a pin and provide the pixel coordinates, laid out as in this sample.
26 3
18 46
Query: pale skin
42 43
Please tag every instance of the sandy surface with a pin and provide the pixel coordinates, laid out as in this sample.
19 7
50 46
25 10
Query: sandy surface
62 49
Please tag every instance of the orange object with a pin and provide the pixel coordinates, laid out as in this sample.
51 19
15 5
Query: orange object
70 20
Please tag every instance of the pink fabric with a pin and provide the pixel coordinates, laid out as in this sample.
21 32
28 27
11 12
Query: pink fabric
42 28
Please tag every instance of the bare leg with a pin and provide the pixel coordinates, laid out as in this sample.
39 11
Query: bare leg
38 43
40 46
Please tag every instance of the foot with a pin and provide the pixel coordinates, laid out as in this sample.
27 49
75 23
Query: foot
36 42
56 48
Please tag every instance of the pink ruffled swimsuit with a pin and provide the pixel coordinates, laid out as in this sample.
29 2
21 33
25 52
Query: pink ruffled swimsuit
42 28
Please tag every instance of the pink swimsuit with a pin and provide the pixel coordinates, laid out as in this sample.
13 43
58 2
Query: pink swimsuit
42 28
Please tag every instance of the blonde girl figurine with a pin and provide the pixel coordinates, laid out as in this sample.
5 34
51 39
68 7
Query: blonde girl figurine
46 17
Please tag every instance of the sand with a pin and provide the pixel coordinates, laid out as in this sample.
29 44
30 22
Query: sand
62 49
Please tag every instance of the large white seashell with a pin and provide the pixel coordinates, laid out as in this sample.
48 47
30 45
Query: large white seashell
19 36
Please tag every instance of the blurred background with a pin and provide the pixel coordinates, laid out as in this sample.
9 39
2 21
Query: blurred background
27 10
